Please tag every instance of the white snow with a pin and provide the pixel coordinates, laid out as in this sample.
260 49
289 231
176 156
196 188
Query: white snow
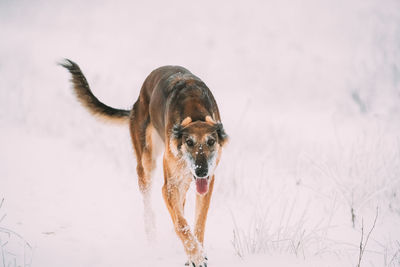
308 92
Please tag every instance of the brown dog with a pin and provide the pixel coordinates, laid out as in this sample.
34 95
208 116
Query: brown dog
178 108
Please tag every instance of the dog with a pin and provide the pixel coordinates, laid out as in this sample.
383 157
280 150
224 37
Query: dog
175 108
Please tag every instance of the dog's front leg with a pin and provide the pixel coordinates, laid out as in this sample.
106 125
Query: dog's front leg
192 247
202 205
174 194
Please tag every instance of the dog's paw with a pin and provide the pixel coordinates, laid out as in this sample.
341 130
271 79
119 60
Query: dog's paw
202 264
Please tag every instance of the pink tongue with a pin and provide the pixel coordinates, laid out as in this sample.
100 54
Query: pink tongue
202 185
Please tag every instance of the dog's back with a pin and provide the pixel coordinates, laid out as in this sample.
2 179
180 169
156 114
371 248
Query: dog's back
173 92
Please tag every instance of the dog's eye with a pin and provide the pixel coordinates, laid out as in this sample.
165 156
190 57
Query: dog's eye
189 142
211 142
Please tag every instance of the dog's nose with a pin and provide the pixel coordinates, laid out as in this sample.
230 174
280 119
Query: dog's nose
201 172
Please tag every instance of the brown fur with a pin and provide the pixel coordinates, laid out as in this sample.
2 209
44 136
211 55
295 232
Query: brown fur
178 108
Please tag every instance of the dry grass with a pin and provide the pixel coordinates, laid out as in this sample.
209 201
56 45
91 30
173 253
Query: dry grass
14 250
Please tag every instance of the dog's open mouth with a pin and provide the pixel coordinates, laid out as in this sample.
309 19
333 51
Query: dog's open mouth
201 185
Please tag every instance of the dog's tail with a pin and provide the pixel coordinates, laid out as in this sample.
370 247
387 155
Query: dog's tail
88 100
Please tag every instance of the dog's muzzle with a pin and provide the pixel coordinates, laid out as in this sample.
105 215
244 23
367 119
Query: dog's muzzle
201 175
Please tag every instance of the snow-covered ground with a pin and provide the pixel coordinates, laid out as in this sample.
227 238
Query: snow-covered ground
309 92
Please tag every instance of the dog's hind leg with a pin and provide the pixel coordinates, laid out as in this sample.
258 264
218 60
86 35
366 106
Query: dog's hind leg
150 153
142 133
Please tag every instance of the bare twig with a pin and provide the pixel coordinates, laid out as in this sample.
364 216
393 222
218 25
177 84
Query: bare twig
395 255
363 246
361 243
1 205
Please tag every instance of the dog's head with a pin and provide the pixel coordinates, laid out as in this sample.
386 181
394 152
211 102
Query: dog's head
199 144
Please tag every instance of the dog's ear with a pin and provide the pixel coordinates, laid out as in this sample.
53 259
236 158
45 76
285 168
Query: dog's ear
177 131
222 136
175 141
176 135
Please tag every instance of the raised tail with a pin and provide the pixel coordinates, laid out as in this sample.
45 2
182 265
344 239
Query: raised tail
88 100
